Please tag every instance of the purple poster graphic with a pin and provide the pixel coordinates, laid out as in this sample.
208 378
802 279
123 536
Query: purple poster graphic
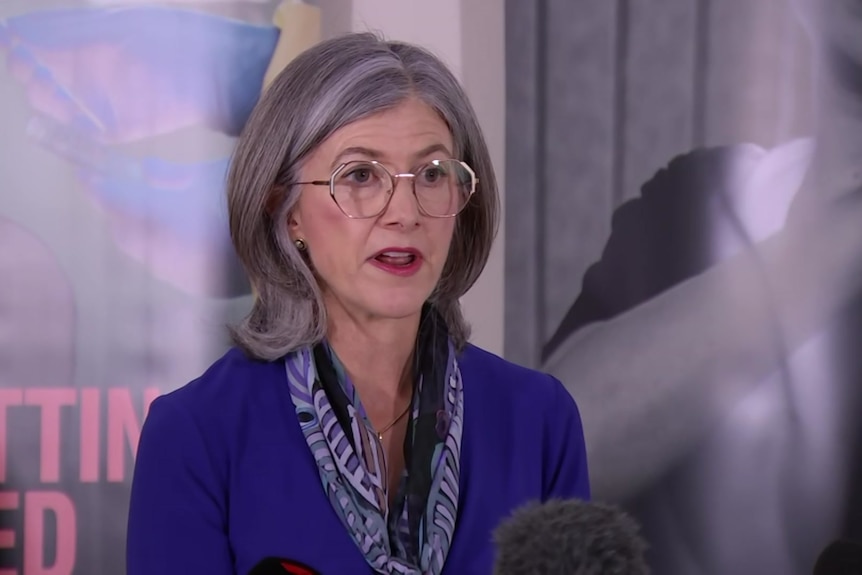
117 276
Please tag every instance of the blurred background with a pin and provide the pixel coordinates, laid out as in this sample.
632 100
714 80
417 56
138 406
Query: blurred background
658 160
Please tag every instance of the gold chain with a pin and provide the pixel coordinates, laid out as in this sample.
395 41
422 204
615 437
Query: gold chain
394 421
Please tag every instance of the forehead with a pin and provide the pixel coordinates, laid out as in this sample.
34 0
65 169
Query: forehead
401 133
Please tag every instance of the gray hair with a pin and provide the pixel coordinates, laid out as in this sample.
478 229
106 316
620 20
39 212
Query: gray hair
332 84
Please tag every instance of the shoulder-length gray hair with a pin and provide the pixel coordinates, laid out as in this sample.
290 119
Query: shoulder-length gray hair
323 89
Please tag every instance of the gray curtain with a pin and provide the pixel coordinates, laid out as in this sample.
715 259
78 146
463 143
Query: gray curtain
600 94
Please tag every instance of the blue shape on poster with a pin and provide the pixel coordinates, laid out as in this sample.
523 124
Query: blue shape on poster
98 77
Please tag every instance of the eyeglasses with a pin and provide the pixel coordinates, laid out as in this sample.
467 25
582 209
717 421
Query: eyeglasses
363 189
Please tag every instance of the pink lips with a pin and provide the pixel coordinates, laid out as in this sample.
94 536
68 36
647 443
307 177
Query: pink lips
402 262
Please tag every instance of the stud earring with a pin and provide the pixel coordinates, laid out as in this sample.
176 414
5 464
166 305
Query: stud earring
300 244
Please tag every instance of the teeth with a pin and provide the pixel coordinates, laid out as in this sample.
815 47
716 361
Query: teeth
396 254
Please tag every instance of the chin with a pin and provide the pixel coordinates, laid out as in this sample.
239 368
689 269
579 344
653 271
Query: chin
397 310
391 305
396 298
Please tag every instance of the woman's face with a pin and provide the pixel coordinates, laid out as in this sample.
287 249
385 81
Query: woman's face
384 267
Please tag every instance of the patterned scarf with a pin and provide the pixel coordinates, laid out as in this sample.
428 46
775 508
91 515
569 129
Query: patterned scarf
413 537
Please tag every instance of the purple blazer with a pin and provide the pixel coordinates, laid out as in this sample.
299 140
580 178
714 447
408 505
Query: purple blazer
224 477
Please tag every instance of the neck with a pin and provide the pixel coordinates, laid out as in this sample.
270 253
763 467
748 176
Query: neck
377 353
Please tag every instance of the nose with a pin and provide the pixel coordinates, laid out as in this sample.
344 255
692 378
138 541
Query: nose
403 208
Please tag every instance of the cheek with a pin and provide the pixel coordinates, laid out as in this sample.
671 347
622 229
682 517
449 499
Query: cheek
322 229
336 244
315 216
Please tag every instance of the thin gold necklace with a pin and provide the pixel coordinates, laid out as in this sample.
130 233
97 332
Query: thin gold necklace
394 421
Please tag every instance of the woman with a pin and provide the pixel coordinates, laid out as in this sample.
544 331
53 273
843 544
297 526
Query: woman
354 429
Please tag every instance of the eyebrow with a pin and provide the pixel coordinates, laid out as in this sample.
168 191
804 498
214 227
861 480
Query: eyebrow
377 155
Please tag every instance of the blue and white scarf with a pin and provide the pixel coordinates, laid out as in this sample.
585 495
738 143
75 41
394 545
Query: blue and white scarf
413 537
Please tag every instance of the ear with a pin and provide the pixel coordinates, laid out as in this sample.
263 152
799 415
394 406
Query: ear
273 200
294 226
272 205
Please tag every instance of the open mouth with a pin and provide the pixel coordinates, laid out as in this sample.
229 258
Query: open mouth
396 259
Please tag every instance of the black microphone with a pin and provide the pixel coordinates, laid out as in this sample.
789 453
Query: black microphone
275 566
570 537
840 557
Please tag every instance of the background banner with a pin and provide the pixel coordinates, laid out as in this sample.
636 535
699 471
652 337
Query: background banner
116 273
683 251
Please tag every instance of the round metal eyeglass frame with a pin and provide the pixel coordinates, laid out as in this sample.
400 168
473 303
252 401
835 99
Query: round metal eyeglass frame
394 177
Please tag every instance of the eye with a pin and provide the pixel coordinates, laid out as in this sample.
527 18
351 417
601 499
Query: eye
432 174
360 175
